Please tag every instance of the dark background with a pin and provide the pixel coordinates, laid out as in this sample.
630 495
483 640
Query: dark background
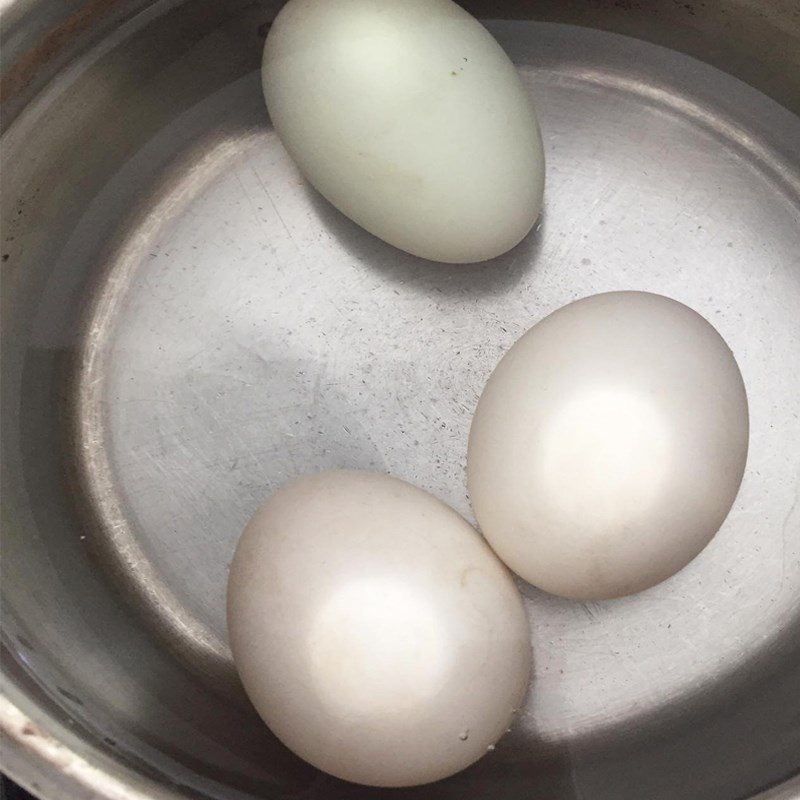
10 791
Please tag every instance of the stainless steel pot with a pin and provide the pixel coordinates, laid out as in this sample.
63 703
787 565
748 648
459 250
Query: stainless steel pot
186 324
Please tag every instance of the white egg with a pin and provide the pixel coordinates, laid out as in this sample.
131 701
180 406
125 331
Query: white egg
374 630
408 116
608 445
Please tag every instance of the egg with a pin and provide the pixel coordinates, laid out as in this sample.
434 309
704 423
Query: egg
409 118
608 445
374 630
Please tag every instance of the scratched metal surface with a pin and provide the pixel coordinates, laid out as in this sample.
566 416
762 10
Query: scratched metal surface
247 333
238 331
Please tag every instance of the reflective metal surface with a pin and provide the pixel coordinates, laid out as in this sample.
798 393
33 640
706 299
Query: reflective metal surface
186 325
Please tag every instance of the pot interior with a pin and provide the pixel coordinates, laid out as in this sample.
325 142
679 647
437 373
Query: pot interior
187 324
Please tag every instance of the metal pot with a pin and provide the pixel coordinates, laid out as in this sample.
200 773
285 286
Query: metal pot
186 324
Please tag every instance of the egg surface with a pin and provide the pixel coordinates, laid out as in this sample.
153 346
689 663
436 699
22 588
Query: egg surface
408 116
608 445
374 630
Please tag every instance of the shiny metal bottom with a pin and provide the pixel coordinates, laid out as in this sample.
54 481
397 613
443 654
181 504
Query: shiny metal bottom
201 326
